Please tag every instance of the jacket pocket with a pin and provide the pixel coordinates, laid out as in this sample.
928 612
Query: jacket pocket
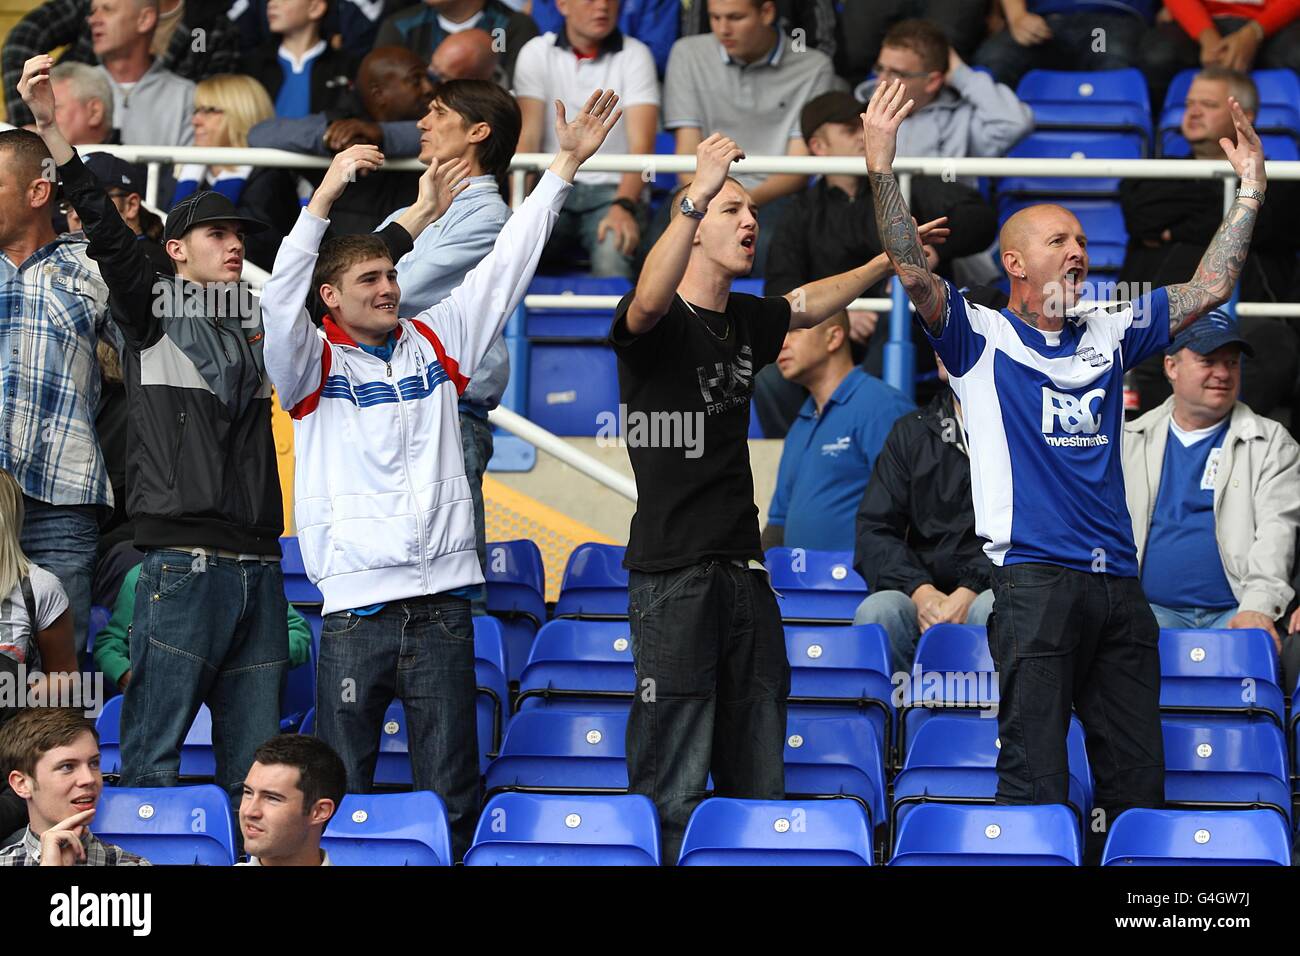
176 449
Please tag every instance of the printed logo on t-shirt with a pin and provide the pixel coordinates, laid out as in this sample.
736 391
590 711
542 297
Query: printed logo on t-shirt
724 385
1092 357
1211 469
834 448
1077 417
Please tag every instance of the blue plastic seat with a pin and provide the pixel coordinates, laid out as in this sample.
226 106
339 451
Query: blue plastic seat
389 829
728 832
1144 10
835 756
594 586
1071 145
393 762
516 595
953 759
299 695
837 669
1279 88
815 587
1226 766
1230 674
169 826
941 834
550 750
579 665
1089 101
297 587
953 671
1273 124
573 323
99 618
1143 837
197 759
573 388
529 829
493 692
1103 223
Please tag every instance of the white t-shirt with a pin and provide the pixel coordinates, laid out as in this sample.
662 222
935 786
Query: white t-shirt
549 70
15 628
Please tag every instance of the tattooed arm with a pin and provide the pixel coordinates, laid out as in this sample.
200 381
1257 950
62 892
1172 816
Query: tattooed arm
894 221
1217 274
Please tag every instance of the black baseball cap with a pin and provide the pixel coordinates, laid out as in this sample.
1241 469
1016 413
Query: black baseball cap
1211 331
206 206
832 107
117 173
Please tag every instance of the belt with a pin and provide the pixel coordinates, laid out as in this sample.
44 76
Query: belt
222 553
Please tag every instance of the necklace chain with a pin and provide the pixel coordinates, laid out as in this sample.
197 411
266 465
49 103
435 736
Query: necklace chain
726 326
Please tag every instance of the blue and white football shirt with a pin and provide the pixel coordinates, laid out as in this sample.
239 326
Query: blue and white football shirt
1044 414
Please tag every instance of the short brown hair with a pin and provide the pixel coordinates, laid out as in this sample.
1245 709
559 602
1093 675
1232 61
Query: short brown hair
922 37
34 731
341 253
321 773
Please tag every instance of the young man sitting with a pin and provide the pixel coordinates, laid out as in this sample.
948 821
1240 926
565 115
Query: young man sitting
384 511
291 792
52 759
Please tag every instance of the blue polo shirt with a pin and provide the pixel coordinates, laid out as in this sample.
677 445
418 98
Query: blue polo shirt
827 461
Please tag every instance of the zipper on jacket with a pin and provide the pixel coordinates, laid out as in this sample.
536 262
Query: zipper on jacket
176 450
390 369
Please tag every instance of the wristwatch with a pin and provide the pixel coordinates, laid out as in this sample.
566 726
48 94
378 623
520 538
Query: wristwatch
1245 192
627 205
688 208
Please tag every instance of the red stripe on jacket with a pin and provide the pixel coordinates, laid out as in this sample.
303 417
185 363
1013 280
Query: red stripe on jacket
308 404
449 364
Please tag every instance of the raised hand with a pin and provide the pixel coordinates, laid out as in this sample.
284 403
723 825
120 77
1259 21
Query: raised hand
61 843
1247 154
713 159
441 184
36 91
586 133
884 114
347 167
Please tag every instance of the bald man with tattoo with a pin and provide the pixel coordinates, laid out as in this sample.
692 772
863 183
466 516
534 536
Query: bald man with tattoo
1041 386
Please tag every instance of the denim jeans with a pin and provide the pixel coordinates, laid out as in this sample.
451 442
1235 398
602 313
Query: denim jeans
896 613
712 682
1192 617
579 224
62 539
420 651
206 630
1061 637
476 443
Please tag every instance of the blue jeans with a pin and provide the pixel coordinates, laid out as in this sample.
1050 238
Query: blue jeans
1192 617
420 651
206 630
476 443
578 226
62 539
895 612
712 680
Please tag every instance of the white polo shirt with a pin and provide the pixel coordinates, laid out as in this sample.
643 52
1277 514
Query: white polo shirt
548 70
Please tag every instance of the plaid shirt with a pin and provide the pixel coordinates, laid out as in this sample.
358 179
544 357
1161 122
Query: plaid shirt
27 852
52 309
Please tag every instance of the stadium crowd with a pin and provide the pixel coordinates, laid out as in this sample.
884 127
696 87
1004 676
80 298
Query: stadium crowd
139 466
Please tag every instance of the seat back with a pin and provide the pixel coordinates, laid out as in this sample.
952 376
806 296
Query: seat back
835 756
525 829
516 580
389 829
729 832
573 388
547 748
197 758
594 584
815 586
1142 837
298 588
169 826
582 659
939 834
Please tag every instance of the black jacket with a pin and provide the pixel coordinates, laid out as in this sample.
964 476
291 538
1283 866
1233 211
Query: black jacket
916 523
201 465
331 74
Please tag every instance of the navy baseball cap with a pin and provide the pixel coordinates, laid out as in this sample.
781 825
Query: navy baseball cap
117 173
206 206
1211 331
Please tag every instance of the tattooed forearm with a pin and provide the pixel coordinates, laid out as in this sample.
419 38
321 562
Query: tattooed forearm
903 246
1220 266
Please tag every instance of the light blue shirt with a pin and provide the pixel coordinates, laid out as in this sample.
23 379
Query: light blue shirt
442 256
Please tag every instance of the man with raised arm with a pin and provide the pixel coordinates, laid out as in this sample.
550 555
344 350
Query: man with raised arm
711 669
383 507
1041 387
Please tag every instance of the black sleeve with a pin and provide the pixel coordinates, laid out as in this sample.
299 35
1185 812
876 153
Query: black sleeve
771 323
973 222
978 574
640 351
123 263
397 239
881 553
788 265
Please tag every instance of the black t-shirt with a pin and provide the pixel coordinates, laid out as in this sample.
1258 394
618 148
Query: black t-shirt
687 384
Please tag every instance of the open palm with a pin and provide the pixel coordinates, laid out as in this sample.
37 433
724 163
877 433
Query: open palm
1247 154
587 132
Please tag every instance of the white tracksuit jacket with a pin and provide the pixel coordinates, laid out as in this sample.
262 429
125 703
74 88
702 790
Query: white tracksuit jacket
383 506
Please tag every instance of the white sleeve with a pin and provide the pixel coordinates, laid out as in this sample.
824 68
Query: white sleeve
640 81
293 348
530 70
472 316
51 599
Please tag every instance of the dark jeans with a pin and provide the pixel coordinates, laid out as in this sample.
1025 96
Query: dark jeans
712 682
1080 41
206 630
1061 637
62 539
476 443
1167 49
420 651
863 24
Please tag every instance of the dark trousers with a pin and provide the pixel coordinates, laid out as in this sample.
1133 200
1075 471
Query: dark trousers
1063 638
420 651
1080 41
712 681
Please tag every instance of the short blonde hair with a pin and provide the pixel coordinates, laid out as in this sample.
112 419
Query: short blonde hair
242 100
